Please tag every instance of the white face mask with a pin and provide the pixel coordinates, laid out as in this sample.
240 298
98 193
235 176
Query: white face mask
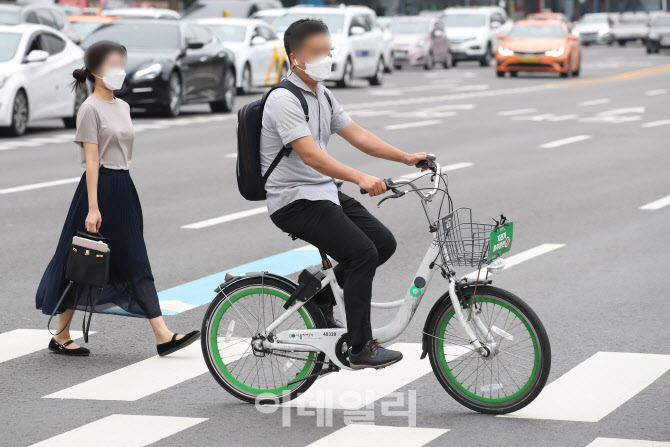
318 70
113 78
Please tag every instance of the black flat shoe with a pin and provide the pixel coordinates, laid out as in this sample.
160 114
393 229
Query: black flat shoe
175 345
58 348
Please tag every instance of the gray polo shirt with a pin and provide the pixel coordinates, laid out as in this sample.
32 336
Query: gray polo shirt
284 122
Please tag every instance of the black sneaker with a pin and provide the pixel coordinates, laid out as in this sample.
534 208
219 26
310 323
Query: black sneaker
331 321
373 355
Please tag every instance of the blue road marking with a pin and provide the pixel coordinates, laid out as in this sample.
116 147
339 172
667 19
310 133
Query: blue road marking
201 291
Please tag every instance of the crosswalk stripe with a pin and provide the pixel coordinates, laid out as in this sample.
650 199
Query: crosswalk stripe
368 435
657 204
616 442
596 387
64 181
122 430
20 342
353 390
521 257
226 218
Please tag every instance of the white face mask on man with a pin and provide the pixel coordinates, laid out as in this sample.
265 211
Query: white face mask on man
318 70
113 78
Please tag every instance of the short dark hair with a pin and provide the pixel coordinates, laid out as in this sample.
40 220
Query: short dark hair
297 31
94 56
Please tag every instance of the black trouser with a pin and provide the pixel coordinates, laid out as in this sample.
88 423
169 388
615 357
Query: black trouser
355 239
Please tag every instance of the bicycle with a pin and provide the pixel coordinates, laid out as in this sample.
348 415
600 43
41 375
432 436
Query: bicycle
265 341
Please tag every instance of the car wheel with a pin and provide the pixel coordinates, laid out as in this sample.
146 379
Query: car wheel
485 60
388 65
245 89
19 114
448 60
228 101
378 78
514 74
579 67
80 96
622 43
568 71
174 96
586 44
454 62
347 76
430 62
500 74
397 67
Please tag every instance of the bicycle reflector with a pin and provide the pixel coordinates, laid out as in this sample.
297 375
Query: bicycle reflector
496 266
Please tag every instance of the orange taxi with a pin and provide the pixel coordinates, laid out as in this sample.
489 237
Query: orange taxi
539 45
86 24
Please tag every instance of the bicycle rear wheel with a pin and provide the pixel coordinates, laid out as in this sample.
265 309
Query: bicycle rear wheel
234 318
515 371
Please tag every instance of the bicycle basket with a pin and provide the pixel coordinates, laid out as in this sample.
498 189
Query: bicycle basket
462 241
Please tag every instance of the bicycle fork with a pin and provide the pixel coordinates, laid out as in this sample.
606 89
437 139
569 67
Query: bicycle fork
490 346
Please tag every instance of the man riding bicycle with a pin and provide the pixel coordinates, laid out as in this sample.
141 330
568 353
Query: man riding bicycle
303 191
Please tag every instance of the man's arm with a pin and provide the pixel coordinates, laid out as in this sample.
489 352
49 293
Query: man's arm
367 142
314 157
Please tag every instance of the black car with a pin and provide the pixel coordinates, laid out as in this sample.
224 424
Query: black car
659 34
171 63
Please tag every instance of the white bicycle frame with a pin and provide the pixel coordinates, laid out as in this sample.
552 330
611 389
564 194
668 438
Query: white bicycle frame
325 340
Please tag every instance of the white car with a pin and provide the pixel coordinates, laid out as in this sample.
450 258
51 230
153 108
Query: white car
358 43
36 65
260 59
473 32
594 28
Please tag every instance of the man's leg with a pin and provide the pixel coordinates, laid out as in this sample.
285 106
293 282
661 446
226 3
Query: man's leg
326 226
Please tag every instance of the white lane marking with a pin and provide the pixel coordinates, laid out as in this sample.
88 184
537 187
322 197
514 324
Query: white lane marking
616 442
122 430
368 435
226 218
660 91
447 168
516 112
656 123
657 204
546 117
521 257
364 113
64 181
413 124
596 387
471 88
20 342
595 102
565 141
353 390
148 376
231 155
615 116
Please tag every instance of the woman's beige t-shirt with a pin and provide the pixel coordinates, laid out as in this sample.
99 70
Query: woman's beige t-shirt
107 124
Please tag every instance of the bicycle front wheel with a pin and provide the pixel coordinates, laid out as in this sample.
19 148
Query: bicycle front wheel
232 323
516 369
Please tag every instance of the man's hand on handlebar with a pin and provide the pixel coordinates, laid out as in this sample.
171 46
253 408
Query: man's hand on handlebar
413 159
373 185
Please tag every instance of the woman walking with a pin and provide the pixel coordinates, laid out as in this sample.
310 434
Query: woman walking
106 202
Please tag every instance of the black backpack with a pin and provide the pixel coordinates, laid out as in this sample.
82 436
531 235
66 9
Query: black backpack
250 181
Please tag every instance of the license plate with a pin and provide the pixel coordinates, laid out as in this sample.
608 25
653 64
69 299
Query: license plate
400 53
529 60
501 240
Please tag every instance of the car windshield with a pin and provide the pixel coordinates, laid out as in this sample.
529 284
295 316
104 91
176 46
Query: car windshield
218 9
409 27
10 16
464 20
536 31
593 19
9 42
228 33
84 29
335 22
139 35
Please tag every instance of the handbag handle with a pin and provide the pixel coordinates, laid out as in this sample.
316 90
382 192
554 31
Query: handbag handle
93 236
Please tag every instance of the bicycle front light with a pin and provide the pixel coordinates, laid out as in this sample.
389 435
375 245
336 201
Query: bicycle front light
496 266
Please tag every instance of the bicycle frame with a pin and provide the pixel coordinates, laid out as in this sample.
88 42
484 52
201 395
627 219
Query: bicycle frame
325 340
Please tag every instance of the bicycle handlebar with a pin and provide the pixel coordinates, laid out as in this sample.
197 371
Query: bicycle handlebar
429 163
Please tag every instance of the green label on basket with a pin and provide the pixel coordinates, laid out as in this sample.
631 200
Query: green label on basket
501 240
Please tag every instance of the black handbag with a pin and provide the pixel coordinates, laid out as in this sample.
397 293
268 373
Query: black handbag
87 265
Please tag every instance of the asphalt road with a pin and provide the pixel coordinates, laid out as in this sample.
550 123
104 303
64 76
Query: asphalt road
571 161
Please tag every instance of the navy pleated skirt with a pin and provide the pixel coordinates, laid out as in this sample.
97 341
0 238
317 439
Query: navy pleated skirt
130 290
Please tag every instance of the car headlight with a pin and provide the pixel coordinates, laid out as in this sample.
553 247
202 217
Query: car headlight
505 51
149 72
555 53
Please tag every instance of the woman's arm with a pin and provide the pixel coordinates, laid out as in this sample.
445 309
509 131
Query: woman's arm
93 219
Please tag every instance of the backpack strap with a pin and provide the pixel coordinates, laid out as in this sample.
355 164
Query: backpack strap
286 150
330 101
